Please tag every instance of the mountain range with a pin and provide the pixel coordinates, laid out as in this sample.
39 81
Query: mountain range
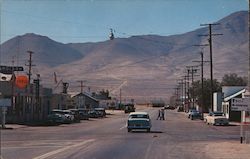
141 67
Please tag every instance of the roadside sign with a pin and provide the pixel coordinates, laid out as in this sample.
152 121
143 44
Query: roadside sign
21 81
240 104
6 102
10 69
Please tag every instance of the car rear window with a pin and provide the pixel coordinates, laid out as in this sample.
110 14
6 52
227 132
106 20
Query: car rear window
139 116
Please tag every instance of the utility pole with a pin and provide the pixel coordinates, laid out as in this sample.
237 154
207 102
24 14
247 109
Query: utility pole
185 91
202 84
182 90
202 77
188 88
177 94
12 86
120 98
37 95
30 65
193 71
81 85
211 57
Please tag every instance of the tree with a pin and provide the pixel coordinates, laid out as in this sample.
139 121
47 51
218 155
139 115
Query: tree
233 80
197 88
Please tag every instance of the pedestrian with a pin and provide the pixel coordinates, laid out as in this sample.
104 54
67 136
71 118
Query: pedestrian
162 114
159 115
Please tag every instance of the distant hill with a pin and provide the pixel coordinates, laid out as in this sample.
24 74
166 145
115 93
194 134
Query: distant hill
46 51
144 67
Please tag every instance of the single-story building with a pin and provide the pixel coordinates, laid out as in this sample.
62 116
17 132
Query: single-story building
84 100
228 93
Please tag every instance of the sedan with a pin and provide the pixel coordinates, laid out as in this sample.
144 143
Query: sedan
195 115
216 118
139 120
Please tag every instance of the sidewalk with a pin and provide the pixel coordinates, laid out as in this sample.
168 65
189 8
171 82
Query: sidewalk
13 126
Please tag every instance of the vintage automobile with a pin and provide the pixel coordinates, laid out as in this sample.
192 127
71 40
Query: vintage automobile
195 114
55 118
60 116
190 111
139 120
169 107
94 114
84 113
76 114
216 118
128 108
66 115
101 112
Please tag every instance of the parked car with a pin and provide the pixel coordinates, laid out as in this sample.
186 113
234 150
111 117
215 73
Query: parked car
101 112
67 116
139 120
169 107
129 108
55 118
195 115
93 114
61 116
84 113
76 114
190 111
180 109
216 118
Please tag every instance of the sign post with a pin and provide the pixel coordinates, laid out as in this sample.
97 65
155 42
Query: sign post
241 104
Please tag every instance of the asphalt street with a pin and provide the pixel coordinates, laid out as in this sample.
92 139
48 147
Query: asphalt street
107 138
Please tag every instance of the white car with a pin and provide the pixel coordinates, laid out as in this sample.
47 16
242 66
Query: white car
139 120
216 118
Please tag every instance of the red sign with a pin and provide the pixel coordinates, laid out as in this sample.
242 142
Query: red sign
21 81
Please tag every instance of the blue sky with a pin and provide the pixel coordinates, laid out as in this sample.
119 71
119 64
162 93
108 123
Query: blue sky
71 21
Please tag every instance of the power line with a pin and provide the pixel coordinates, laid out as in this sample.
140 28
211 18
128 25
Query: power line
30 65
211 56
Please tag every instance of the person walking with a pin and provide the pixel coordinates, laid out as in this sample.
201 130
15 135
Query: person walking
159 114
162 114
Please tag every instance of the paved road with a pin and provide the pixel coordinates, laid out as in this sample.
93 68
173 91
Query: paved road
176 137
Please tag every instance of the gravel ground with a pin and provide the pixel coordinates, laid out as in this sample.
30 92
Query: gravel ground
228 150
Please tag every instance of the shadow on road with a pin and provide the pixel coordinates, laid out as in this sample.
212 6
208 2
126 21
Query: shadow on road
146 132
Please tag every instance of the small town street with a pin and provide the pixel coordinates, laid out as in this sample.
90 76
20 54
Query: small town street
175 137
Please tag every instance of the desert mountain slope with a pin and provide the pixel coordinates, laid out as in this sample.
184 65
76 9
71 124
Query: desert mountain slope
144 67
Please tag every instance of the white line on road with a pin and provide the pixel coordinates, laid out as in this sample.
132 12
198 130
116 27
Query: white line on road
44 156
123 127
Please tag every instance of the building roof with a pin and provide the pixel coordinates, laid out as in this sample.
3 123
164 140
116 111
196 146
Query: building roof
230 92
85 94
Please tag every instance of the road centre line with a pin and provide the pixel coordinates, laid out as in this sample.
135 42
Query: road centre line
123 127
44 156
